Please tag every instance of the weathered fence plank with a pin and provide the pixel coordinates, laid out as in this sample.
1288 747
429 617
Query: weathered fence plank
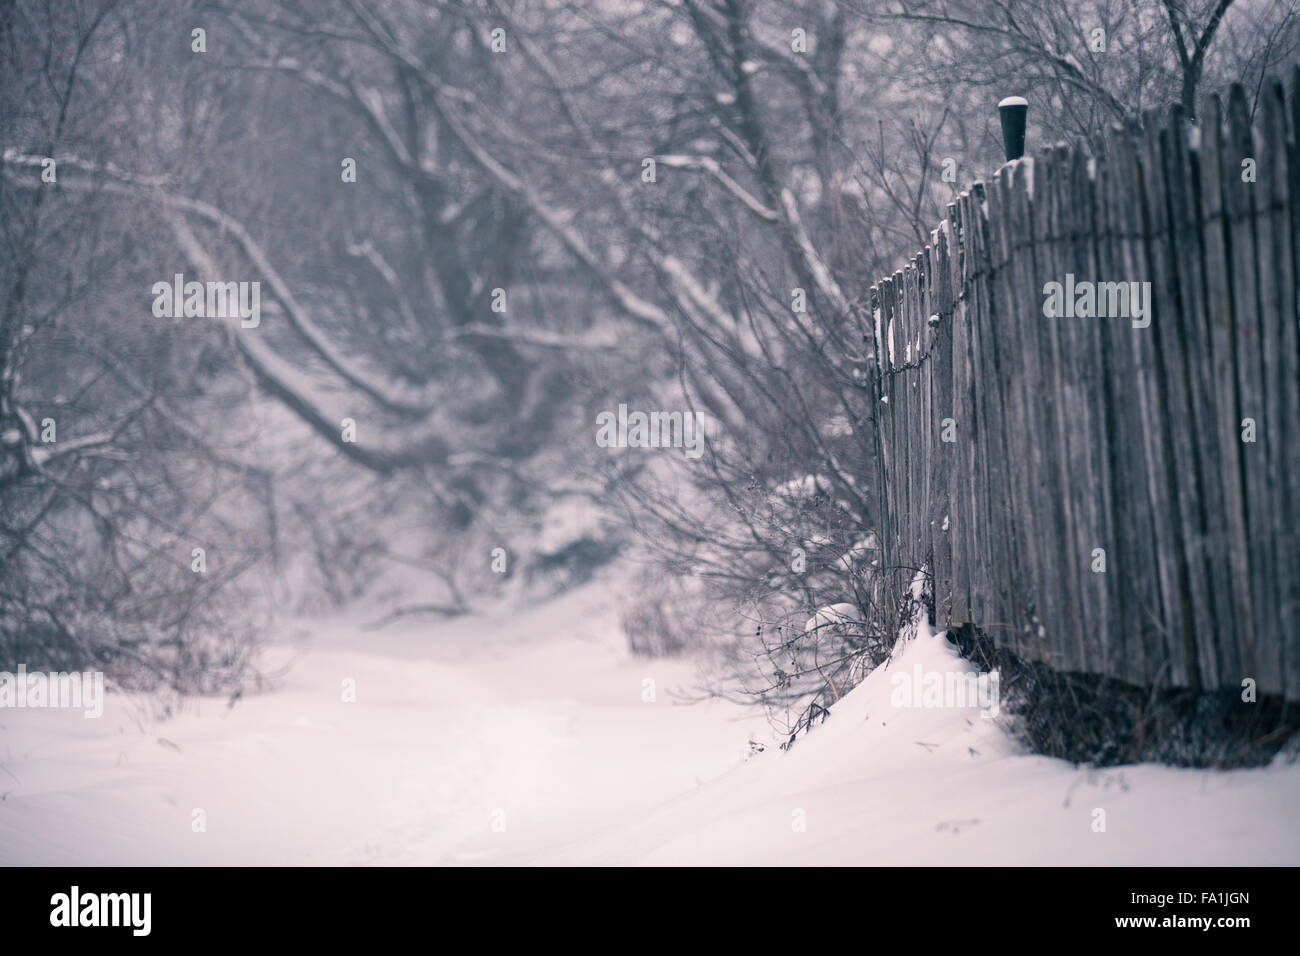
1054 603
941 366
1133 539
1279 334
960 495
1019 570
984 601
1239 204
991 500
1206 500
1223 374
1289 225
1162 606
1189 610
1067 641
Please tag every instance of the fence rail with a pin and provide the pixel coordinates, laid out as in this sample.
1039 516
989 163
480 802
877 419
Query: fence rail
1018 452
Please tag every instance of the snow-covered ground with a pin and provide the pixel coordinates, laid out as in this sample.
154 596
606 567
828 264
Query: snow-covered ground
525 737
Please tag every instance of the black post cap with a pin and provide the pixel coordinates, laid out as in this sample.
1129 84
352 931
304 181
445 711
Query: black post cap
1013 110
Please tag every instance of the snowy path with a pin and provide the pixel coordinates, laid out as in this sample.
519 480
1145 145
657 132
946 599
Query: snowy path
540 715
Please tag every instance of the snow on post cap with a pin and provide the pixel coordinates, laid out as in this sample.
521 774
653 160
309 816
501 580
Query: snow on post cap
1013 101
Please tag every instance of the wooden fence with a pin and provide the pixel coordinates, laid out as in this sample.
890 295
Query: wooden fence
1069 435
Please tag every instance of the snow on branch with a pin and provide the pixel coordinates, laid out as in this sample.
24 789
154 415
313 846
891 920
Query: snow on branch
403 401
